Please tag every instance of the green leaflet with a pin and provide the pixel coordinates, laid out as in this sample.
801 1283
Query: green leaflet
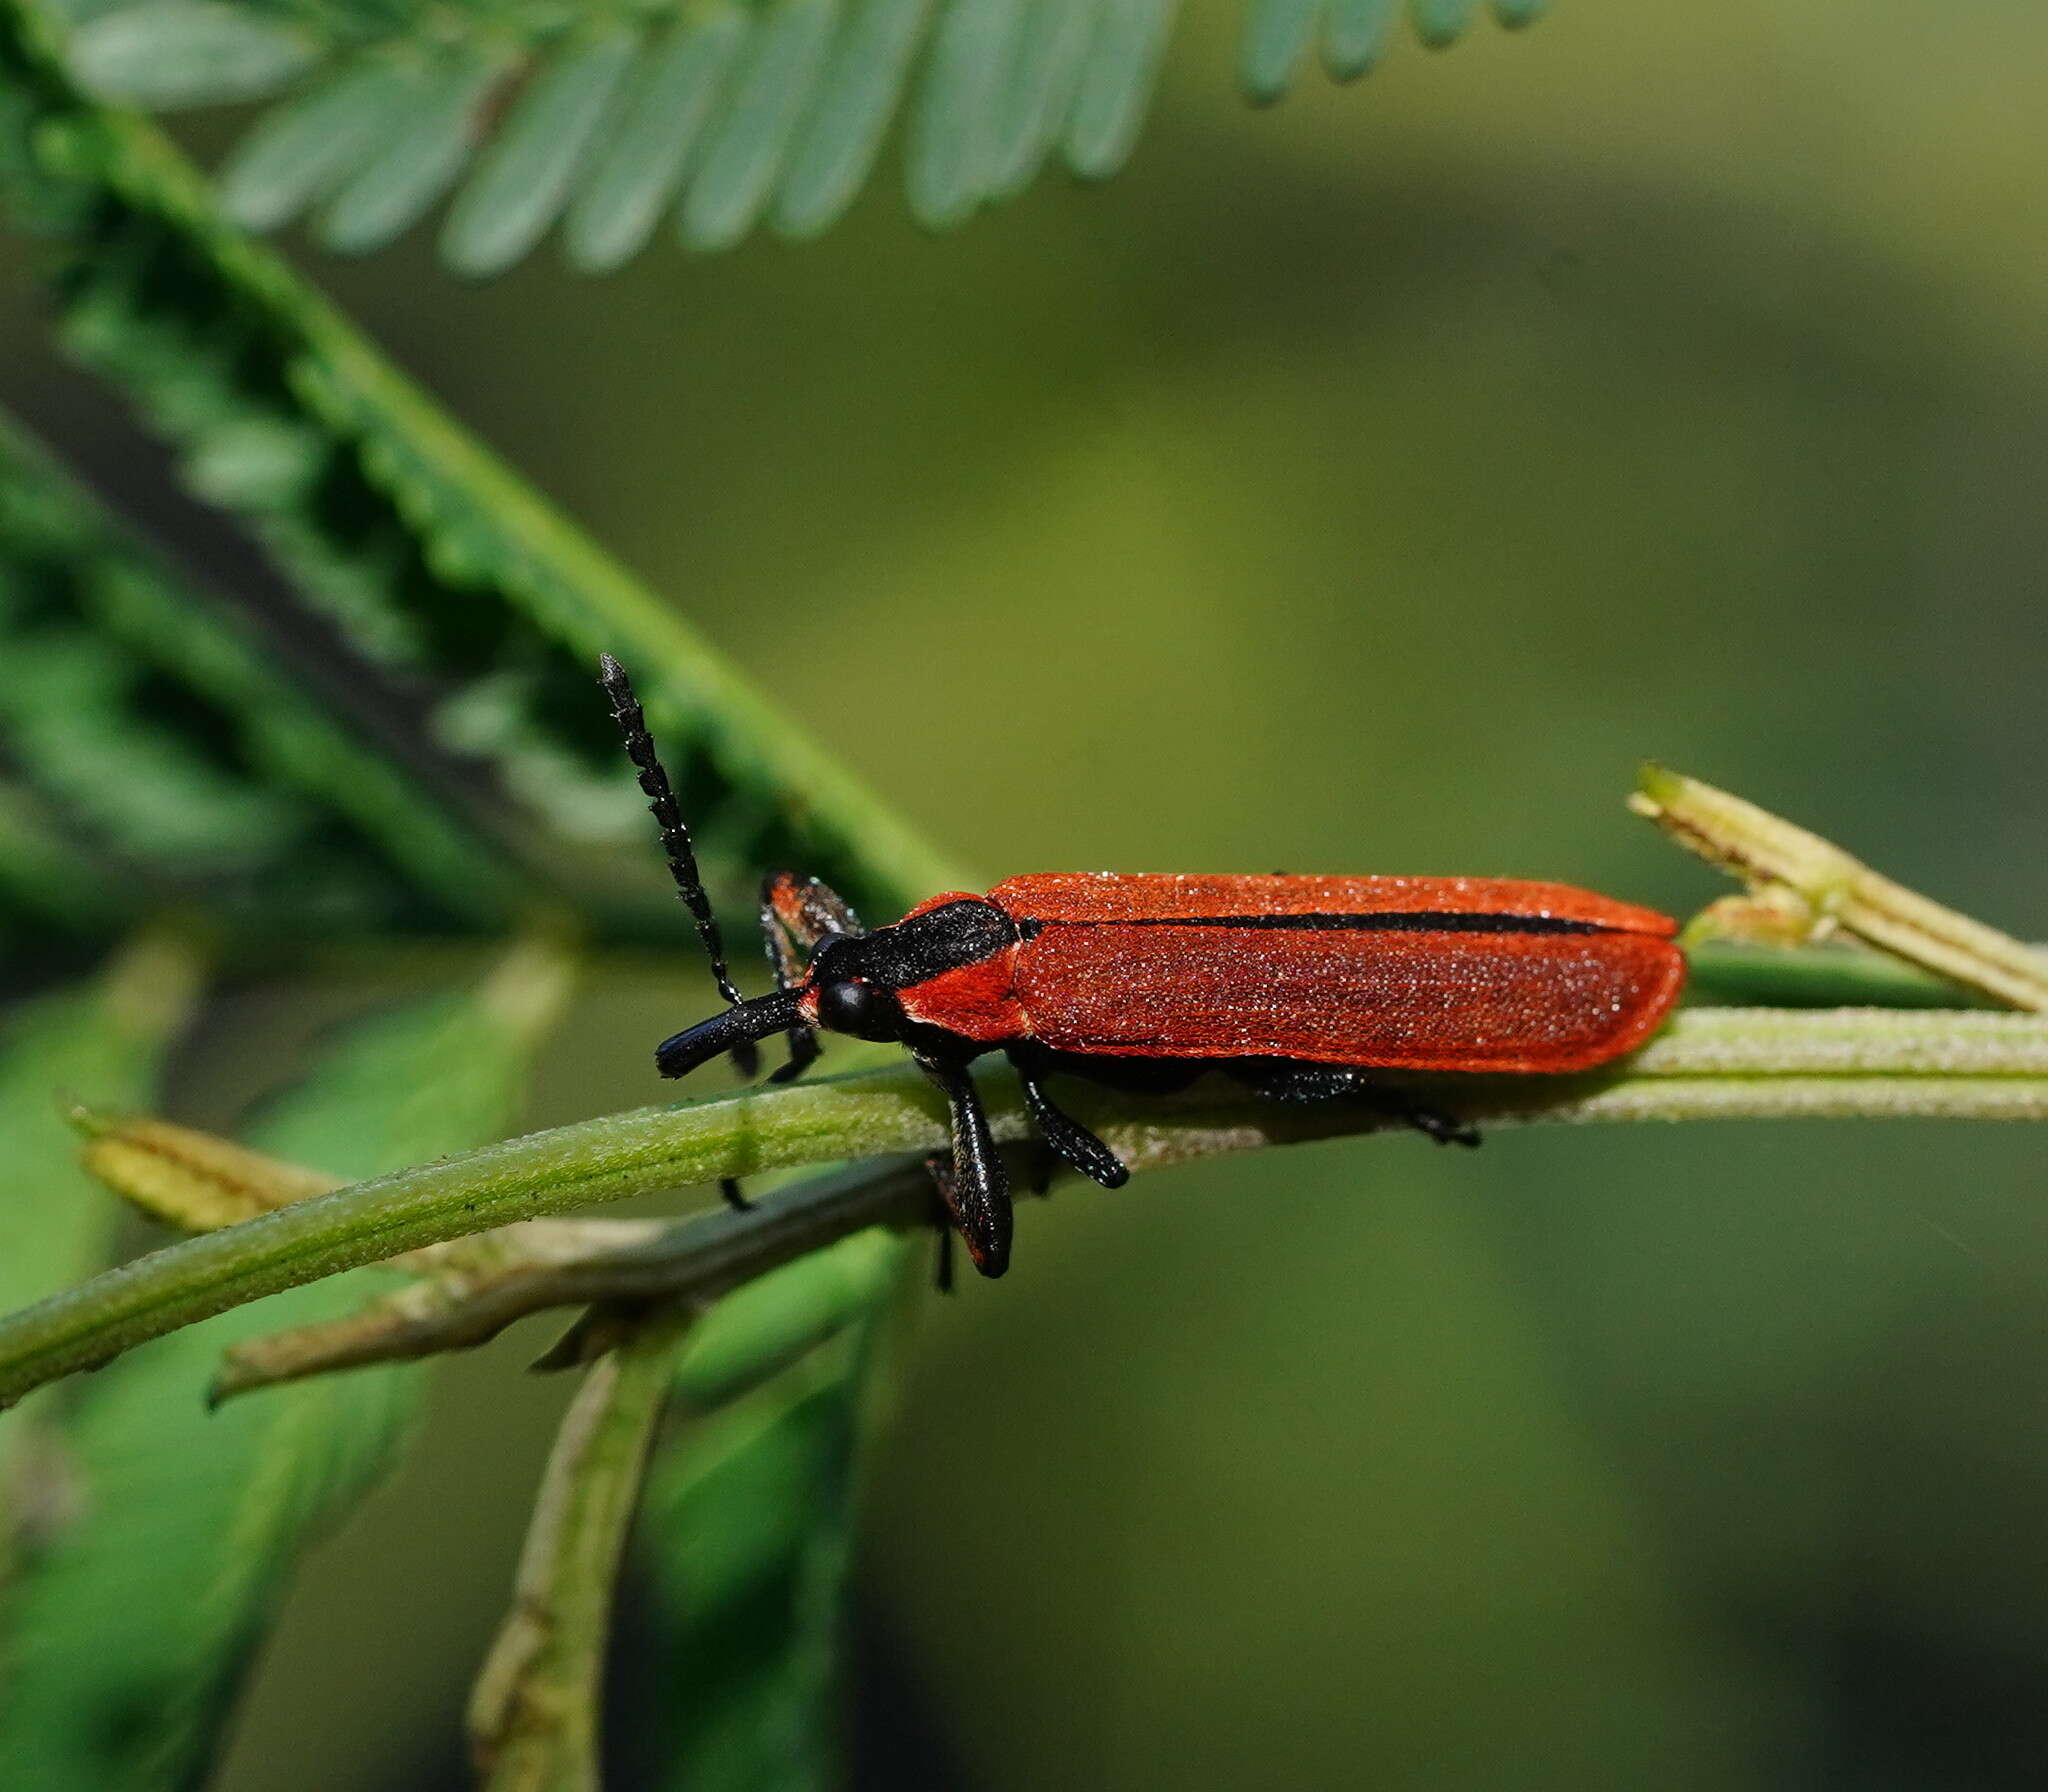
438 564
1052 51
301 152
635 176
193 1519
169 53
765 103
953 130
1116 85
1356 34
1277 36
857 96
525 176
762 1328
1440 23
159 727
435 135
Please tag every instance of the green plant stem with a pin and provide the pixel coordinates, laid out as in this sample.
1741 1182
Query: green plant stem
1809 887
1815 977
1751 1063
533 1719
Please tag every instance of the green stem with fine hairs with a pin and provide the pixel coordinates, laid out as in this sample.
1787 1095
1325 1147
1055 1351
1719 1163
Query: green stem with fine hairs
1709 1063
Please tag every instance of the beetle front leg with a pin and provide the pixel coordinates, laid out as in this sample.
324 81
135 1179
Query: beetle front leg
978 1192
1072 1141
796 913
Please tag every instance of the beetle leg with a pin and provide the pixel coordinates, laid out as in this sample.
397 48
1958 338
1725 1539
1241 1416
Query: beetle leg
1066 1135
735 1196
939 1164
978 1191
803 1053
806 909
795 915
1281 1079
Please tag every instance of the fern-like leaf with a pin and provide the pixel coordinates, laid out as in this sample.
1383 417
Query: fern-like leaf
457 606
719 114
634 177
764 103
156 733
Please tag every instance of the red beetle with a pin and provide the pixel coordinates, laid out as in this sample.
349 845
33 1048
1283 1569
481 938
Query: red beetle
1298 986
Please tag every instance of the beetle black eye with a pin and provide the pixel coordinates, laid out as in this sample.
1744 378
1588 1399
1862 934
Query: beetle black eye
865 1010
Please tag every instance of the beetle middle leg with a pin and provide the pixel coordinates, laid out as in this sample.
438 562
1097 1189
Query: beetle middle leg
1288 1079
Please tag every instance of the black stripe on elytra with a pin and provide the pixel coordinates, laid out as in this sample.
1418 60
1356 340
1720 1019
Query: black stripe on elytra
1388 921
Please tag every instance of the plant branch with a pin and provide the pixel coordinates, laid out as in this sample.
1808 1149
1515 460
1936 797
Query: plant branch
1751 1063
1804 888
533 1717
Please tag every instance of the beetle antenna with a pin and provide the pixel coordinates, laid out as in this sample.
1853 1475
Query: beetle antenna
661 804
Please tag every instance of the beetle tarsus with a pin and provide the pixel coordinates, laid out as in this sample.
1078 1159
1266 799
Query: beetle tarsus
1445 1129
734 1196
803 1053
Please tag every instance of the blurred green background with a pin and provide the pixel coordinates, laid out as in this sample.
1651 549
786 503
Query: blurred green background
1363 484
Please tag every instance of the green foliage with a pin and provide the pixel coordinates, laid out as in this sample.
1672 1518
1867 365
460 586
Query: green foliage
468 615
446 760
194 1518
156 723
748 1521
423 567
49 887
172 53
1280 35
725 116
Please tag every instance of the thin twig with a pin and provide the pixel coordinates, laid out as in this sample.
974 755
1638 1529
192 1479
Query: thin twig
1804 887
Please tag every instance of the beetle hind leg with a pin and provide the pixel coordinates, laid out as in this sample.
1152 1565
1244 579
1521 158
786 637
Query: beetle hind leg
1282 1079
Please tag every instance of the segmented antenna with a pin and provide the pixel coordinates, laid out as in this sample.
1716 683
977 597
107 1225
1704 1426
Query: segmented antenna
661 804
